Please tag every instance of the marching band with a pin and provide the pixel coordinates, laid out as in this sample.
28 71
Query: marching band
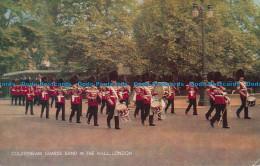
150 100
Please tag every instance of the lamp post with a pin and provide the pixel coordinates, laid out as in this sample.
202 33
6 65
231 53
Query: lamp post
202 10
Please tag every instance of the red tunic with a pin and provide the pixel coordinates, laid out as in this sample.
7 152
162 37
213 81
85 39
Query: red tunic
60 98
92 95
192 93
148 92
171 92
112 95
138 92
44 95
18 89
29 93
13 91
242 89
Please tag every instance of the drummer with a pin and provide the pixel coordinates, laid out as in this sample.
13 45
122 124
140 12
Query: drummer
147 93
243 90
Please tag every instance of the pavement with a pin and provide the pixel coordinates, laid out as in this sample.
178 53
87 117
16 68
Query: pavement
178 140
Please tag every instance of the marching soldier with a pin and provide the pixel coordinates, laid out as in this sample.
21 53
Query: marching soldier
171 90
243 91
54 92
75 99
104 91
93 100
137 97
192 98
13 92
211 94
45 98
37 94
147 93
23 92
113 100
29 98
60 100
19 91
220 102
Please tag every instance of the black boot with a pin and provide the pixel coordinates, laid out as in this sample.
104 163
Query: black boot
57 115
108 123
116 122
246 113
95 122
151 120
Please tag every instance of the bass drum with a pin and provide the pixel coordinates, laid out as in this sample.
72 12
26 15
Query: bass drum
123 112
251 100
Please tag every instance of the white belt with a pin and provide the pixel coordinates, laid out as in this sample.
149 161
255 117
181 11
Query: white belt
219 95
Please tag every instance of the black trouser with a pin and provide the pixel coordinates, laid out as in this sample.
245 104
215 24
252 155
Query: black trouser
75 108
220 108
20 97
13 98
60 106
194 104
127 102
37 99
80 108
243 105
170 102
211 109
23 99
139 106
45 103
104 102
16 97
93 112
111 111
29 103
53 98
145 111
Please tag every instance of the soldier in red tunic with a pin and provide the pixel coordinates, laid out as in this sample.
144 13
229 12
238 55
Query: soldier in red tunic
23 92
192 98
29 98
37 94
211 94
45 98
13 92
220 102
75 99
147 93
93 100
60 100
243 91
171 90
104 91
113 100
54 92
137 96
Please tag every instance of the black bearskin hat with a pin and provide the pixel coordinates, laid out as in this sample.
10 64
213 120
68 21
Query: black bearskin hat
240 73
104 79
153 77
191 78
51 79
91 79
210 76
145 77
45 80
74 79
217 76
138 78
113 75
60 80
122 78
